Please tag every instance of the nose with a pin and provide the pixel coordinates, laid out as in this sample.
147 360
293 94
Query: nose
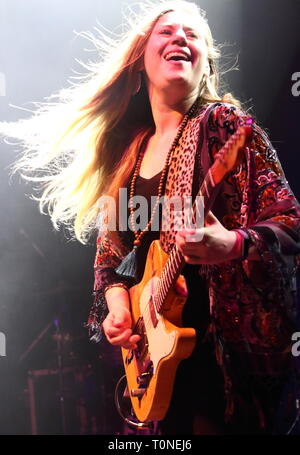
179 36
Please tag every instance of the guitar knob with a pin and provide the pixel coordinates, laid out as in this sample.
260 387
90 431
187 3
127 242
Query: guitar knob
137 392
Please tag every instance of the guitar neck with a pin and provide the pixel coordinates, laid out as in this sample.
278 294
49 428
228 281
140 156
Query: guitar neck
176 262
225 160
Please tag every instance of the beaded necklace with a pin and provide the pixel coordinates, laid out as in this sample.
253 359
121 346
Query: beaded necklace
128 265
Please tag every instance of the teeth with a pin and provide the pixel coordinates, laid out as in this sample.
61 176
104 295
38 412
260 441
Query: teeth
177 54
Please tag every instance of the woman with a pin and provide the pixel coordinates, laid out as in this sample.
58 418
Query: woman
151 120
249 291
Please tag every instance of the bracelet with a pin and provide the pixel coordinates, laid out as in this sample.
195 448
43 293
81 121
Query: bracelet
116 285
237 249
246 243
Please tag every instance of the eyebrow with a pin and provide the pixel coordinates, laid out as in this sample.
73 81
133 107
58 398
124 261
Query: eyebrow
174 25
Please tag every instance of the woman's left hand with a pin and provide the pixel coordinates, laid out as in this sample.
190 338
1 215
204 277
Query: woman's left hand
211 244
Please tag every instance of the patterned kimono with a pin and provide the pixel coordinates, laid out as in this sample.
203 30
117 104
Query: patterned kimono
252 303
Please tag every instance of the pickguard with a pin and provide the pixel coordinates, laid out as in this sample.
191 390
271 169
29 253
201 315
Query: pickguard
161 342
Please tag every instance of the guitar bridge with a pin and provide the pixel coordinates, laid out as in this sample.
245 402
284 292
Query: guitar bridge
143 380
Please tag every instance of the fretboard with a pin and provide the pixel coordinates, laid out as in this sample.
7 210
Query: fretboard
176 261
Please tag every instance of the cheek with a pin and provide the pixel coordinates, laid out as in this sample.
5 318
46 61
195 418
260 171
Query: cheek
151 57
202 58
147 55
202 52
201 48
151 50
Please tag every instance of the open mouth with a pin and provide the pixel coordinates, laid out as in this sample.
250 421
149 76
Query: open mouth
177 57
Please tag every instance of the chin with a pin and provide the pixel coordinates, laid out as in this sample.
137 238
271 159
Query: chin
179 83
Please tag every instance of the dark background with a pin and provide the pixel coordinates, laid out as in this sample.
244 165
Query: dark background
45 278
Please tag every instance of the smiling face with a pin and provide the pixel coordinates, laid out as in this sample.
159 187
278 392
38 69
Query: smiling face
176 53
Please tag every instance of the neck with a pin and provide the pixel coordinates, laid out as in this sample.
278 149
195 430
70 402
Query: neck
167 112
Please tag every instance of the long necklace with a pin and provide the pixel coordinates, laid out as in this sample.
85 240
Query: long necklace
128 265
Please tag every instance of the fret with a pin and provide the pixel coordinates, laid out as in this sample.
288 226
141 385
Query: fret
167 268
172 267
164 287
176 259
168 280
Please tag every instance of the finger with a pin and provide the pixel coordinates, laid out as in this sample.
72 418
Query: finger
195 237
125 338
184 232
181 287
211 219
132 342
114 331
190 236
187 250
119 322
120 339
113 321
193 260
180 240
134 338
131 346
196 249
110 324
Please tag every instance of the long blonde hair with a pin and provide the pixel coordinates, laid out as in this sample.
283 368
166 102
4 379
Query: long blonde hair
83 141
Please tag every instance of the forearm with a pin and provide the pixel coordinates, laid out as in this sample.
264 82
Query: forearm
117 297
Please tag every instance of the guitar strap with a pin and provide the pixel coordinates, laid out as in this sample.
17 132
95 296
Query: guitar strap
186 170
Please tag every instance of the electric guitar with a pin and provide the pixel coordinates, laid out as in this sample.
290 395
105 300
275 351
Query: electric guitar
156 308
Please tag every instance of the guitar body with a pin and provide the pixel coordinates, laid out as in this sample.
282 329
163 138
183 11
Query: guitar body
151 369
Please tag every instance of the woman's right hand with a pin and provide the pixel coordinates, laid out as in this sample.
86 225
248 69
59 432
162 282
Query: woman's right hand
118 322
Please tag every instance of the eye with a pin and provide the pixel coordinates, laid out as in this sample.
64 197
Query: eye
192 34
165 31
